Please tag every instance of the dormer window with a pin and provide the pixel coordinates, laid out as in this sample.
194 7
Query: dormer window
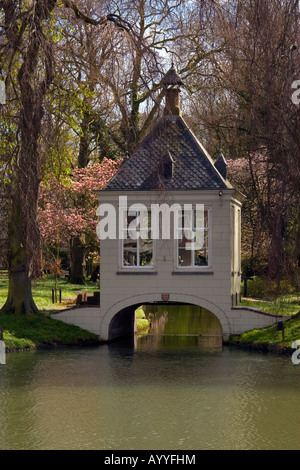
167 167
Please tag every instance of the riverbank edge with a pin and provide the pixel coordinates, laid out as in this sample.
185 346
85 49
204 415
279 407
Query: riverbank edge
234 341
55 346
92 341
266 348
280 347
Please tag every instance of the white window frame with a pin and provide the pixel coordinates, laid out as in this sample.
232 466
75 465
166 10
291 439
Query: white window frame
150 267
195 267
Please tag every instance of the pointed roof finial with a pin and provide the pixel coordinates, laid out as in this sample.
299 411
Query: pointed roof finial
171 78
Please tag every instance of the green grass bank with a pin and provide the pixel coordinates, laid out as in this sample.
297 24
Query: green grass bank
41 331
270 339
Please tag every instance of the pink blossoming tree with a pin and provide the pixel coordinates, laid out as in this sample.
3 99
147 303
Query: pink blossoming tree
67 209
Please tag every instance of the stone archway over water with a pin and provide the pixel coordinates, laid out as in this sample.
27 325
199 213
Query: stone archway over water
119 319
111 322
168 326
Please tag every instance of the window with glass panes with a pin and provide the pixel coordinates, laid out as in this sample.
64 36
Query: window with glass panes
137 244
193 240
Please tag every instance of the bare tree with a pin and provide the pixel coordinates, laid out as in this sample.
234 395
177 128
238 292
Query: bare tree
27 54
245 108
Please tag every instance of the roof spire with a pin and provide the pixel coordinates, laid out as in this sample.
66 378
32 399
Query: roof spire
171 78
171 82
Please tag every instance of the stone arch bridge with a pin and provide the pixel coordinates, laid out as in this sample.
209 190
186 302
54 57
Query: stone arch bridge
117 321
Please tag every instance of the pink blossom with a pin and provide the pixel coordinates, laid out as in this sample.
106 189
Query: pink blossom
67 208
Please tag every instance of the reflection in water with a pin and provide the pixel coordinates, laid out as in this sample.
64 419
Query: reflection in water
180 326
171 396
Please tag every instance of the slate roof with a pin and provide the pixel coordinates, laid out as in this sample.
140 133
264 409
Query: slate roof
170 141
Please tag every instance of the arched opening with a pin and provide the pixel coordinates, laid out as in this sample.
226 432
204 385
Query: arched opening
122 324
167 325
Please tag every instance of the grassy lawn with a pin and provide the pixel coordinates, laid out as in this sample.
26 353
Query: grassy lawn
270 337
286 305
31 331
42 292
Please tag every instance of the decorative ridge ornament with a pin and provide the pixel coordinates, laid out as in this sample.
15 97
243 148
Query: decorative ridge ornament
171 78
171 83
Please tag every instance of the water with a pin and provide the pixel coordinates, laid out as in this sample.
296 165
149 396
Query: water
150 395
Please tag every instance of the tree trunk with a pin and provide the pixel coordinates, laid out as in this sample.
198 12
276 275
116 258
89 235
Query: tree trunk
77 246
77 268
24 236
84 146
19 299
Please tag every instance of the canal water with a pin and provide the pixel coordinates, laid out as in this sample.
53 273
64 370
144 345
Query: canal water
160 391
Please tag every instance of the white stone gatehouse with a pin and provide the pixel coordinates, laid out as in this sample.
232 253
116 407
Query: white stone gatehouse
170 168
